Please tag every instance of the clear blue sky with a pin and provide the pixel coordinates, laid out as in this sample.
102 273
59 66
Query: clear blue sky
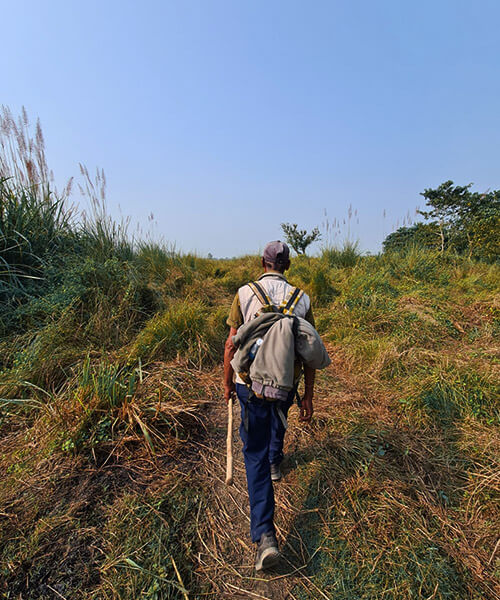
225 118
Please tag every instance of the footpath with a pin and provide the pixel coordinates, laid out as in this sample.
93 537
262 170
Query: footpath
227 556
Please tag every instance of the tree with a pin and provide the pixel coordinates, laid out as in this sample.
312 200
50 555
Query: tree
299 239
458 219
470 219
424 235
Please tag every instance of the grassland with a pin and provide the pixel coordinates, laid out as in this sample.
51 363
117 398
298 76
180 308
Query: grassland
112 424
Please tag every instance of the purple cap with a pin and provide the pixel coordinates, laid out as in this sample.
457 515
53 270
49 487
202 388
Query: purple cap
276 253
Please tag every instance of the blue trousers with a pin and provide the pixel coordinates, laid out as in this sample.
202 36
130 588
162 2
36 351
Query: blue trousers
262 433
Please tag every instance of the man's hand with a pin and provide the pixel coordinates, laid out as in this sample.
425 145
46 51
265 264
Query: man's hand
229 352
306 408
229 391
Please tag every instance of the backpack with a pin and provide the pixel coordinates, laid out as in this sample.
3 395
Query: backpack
286 307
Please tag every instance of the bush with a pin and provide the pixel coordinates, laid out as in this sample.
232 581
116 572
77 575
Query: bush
322 289
108 296
464 221
414 263
43 357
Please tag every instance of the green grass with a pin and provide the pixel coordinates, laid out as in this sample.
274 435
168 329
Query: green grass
187 328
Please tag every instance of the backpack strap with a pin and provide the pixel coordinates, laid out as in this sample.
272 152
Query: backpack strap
260 293
288 305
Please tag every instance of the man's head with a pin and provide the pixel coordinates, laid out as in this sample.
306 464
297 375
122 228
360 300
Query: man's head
276 257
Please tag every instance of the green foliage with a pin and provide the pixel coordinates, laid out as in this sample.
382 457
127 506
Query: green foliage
103 390
471 218
187 328
448 395
414 263
420 235
165 269
35 223
322 289
299 239
100 235
315 277
459 220
346 256
107 384
45 356
33 227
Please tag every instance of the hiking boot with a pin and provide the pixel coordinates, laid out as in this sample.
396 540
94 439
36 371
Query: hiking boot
275 472
267 552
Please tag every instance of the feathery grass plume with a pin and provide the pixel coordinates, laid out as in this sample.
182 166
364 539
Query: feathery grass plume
22 156
100 234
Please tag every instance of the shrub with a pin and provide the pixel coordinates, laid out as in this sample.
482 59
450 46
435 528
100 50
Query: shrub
109 296
420 235
165 269
43 357
299 239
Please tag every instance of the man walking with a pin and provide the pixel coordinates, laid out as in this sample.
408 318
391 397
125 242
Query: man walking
262 428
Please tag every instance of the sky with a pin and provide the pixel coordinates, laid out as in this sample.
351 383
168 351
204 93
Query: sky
223 119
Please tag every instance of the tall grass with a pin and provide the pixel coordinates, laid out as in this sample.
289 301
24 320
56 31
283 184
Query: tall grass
346 255
41 235
100 234
33 228
188 328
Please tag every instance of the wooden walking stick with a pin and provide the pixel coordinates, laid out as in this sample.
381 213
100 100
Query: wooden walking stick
229 443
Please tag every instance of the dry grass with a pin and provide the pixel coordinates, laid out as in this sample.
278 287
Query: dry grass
368 508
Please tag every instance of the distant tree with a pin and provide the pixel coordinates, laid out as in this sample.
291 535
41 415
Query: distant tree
299 239
471 219
425 235
458 218
443 202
